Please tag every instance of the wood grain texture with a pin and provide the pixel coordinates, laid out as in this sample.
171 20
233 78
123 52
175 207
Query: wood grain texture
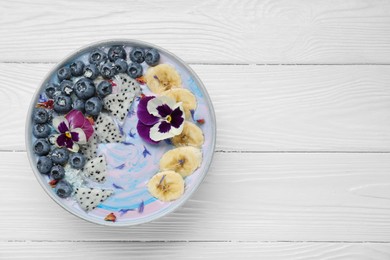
245 197
253 204
258 108
201 250
250 32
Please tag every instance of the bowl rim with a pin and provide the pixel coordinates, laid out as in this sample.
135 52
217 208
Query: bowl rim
28 132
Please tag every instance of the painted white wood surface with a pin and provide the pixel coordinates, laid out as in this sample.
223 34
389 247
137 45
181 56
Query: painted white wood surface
199 250
279 108
204 31
308 179
245 197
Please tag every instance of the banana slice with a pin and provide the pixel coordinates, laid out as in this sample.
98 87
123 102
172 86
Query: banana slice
182 95
162 77
191 135
184 160
166 186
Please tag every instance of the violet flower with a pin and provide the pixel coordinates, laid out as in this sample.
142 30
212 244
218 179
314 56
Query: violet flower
159 118
74 129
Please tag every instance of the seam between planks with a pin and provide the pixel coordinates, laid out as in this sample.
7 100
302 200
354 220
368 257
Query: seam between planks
230 64
260 152
196 241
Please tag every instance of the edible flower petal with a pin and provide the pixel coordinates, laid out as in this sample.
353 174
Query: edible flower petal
73 129
159 118
110 217
76 119
143 114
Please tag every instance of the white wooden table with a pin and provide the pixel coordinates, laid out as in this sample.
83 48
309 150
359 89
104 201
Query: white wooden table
301 90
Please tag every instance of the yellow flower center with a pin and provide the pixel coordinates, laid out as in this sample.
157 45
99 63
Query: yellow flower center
68 134
169 119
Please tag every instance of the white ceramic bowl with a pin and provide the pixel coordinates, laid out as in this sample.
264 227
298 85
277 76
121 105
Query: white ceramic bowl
192 82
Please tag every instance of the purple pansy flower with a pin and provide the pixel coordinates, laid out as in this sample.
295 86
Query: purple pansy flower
159 118
74 129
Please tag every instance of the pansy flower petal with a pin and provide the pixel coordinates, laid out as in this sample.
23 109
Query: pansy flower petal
74 148
153 104
87 128
144 132
176 131
61 140
143 115
61 124
78 136
177 117
164 127
75 118
156 135
170 117
164 110
53 138
69 143
169 101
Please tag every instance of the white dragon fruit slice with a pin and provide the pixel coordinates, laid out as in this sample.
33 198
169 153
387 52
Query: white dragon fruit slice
119 104
89 198
96 169
127 84
106 130
89 150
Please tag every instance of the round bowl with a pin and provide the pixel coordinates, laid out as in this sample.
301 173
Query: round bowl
131 166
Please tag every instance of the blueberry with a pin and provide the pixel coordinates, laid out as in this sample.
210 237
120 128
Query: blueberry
77 160
62 104
97 56
44 164
57 172
40 116
121 65
59 155
79 104
76 68
93 106
152 57
134 70
91 71
64 73
66 87
41 130
84 88
51 89
41 147
104 88
63 189
116 52
137 55
108 70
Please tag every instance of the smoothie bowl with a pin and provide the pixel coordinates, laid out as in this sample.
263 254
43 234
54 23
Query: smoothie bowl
120 133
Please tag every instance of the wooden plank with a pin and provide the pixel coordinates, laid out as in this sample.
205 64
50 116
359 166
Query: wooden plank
245 197
279 108
250 32
185 250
